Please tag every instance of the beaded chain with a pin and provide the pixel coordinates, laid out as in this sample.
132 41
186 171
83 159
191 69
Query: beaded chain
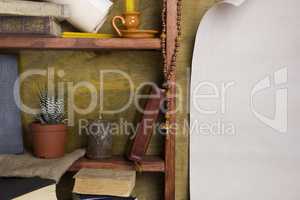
170 71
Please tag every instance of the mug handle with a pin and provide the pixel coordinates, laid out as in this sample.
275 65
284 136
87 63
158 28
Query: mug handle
115 26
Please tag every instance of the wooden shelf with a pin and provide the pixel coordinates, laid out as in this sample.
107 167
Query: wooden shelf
149 164
40 43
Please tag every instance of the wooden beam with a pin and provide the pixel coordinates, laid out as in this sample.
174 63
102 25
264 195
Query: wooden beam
40 43
170 138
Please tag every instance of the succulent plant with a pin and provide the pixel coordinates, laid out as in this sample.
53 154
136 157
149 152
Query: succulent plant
52 109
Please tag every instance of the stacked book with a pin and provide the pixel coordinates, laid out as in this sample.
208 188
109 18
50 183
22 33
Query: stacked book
104 184
31 18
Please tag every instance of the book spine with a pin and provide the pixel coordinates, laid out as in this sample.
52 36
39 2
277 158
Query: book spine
29 26
30 8
140 143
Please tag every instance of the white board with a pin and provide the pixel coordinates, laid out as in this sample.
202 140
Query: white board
245 102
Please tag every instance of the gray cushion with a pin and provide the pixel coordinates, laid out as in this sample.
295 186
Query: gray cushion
11 141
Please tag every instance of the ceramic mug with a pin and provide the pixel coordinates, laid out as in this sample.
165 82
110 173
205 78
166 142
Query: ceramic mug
87 15
131 21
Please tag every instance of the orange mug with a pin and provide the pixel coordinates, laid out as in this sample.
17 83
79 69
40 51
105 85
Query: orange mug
131 20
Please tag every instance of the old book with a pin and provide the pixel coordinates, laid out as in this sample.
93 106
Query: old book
27 25
138 147
33 8
27 189
104 182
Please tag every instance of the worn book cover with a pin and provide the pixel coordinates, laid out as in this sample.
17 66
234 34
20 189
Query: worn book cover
139 145
26 25
104 182
33 8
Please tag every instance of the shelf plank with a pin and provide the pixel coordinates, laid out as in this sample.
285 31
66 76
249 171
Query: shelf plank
170 143
149 164
42 43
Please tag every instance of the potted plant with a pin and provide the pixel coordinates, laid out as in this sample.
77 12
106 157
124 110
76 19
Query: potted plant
49 131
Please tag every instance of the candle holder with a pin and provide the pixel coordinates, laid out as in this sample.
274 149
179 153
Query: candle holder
131 22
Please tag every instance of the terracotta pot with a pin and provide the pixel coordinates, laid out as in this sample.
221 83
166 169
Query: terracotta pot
49 140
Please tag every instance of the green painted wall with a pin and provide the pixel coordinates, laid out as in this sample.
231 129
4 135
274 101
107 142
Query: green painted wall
141 66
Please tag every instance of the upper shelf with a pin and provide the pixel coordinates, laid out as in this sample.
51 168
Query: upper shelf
42 43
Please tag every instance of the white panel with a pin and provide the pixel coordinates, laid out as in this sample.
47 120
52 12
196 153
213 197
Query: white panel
245 115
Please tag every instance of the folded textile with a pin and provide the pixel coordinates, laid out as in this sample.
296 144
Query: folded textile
26 165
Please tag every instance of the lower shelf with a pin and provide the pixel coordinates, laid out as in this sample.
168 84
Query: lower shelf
149 164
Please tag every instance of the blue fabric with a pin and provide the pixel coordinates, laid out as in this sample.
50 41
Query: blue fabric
11 141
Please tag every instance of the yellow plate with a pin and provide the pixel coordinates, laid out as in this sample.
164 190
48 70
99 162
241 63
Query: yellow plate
139 33
85 35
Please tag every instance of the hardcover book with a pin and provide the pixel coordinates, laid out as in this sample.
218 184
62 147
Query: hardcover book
18 25
104 182
139 145
33 8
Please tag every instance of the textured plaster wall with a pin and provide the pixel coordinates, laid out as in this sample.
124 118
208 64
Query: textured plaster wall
141 66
